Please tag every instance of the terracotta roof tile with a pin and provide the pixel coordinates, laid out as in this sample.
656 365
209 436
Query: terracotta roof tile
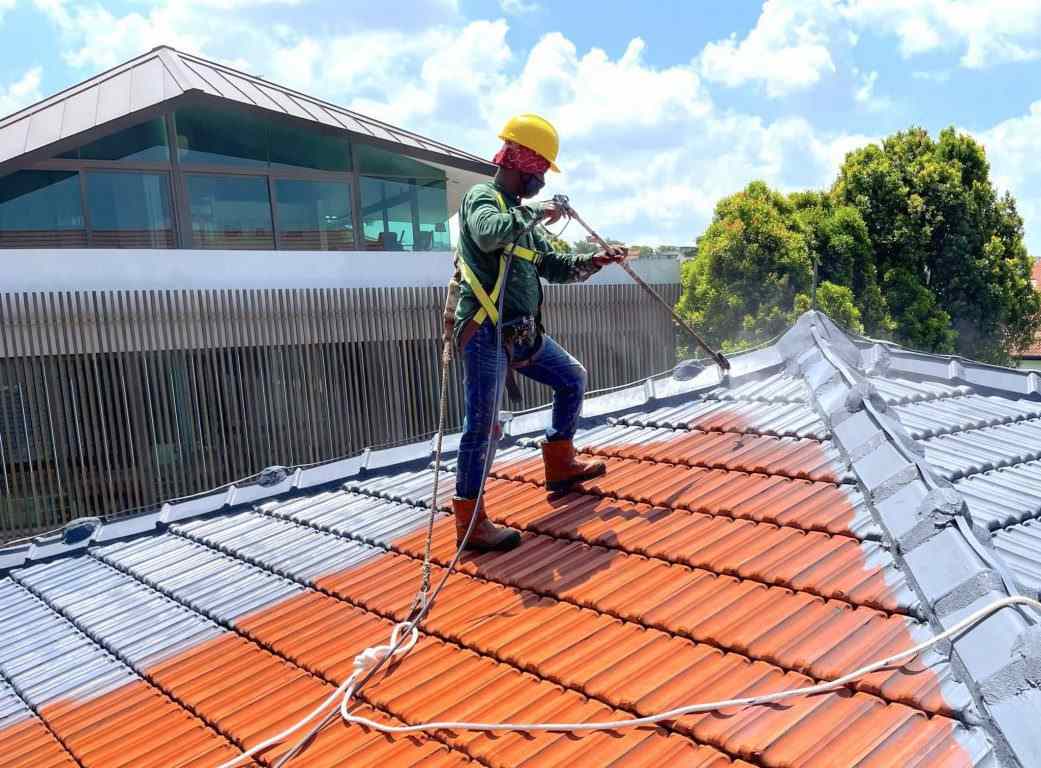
29 744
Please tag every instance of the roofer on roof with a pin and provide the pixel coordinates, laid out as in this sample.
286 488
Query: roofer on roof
491 217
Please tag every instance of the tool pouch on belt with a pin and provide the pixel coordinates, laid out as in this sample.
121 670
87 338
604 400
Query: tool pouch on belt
522 331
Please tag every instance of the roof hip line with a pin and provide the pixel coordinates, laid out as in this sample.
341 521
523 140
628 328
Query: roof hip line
926 524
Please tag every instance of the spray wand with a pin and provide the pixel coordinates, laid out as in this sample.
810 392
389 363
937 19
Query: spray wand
565 205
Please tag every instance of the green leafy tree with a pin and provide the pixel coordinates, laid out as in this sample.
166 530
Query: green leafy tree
837 302
948 250
911 242
585 246
841 248
751 263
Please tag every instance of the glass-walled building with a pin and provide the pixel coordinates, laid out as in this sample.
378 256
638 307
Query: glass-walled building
219 160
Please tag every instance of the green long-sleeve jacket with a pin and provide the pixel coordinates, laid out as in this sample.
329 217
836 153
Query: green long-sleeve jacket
484 231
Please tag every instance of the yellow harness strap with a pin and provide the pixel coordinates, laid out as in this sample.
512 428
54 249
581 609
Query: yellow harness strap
488 309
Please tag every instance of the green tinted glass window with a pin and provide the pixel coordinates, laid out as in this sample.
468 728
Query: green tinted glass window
404 215
300 146
41 209
314 215
230 212
433 216
142 143
208 136
380 162
129 210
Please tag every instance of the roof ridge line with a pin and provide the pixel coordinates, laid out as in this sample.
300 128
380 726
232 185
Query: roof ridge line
926 523
173 66
885 357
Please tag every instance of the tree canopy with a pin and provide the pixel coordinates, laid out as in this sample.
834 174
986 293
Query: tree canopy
912 243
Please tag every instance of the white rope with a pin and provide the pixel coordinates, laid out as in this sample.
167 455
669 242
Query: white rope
375 654
691 709
362 662
370 660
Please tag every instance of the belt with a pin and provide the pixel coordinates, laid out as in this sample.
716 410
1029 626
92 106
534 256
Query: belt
519 330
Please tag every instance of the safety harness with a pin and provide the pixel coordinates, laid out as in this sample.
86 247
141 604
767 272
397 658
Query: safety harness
488 310
485 299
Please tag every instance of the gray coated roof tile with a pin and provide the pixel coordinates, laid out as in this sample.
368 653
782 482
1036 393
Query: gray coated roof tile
217 586
1003 496
767 418
375 520
282 546
968 452
955 414
45 657
1020 546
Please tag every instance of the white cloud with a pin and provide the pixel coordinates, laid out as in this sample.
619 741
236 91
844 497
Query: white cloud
787 50
795 43
231 31
21 93
518 7
5 6
986 31
939 76
1014 151
652 173
864 93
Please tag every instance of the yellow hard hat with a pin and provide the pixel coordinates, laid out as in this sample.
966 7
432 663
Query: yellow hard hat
535 133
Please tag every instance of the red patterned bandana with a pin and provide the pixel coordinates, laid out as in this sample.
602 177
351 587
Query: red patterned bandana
513 155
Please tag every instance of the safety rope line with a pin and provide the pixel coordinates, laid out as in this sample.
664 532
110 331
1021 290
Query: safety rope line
370 661
379 654
690 709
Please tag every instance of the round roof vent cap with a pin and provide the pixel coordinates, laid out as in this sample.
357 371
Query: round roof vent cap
80 530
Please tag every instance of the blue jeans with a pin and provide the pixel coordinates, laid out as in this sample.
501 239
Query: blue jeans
548 364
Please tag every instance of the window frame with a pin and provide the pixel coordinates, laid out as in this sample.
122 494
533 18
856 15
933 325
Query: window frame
81 188
190 232
339 179
167 175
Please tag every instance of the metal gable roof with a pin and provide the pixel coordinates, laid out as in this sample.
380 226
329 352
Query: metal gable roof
163 74
750 535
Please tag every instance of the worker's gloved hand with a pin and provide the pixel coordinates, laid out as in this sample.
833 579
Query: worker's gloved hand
550 211
616 254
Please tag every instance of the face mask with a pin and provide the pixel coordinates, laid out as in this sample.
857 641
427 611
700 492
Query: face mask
532 184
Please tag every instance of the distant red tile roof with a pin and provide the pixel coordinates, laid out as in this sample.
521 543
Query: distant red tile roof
1035 278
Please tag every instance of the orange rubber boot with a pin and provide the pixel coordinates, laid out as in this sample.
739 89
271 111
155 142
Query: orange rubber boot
486 535
563 469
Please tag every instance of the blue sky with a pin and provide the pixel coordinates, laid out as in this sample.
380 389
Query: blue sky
663 107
